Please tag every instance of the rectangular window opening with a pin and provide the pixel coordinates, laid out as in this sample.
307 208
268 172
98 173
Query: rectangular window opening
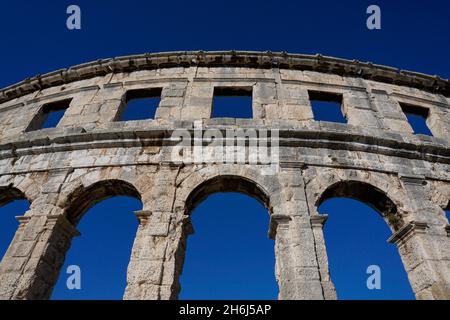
232 102
327 106
141 104
50 115
417 118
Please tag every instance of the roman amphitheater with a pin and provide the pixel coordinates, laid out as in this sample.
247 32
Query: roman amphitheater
91 155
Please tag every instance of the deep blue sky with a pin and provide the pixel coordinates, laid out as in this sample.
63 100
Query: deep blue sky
414 33
414 36
224 107
356 237
230 254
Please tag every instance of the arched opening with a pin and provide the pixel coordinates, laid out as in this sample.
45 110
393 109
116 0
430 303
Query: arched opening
103 214
12 204
82 199
362 264
230 255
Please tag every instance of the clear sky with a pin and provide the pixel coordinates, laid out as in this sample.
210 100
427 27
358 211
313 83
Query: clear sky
230 254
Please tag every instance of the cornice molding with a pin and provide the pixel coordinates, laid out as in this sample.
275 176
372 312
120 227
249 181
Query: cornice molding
265 60
403 233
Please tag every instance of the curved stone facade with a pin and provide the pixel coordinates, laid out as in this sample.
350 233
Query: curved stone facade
91 155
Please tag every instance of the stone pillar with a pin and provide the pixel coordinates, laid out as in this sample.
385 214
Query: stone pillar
425 252
30 267
423 243
317 223
157 256
296 268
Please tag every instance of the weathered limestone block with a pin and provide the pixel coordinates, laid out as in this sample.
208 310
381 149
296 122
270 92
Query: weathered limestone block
199 103
294 105
172 98
296 269
31 265
424 244
317 223
390 112
358 109
425 254
439 123
264 96
157 256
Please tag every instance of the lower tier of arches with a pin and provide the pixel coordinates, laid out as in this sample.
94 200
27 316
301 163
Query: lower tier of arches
412 207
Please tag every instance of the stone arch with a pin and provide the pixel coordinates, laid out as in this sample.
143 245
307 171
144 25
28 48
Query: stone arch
83 198
226 183
368 194
8 261
73 207
381 192
11 193
164 233
199 185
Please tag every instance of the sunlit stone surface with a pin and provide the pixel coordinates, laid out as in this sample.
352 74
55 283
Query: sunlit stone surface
90 155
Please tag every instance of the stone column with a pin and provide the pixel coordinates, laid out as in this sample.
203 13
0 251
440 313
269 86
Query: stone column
425 252
296 269
157 256
30 267
317 223
423 242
